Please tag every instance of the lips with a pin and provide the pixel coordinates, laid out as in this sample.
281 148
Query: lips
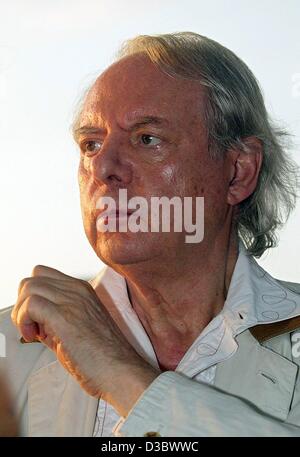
111 214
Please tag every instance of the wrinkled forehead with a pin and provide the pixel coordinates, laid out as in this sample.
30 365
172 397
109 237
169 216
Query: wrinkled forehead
135 84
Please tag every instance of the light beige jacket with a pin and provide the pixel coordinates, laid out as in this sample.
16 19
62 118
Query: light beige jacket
256 391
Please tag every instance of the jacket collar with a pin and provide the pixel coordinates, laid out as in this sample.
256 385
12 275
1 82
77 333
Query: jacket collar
256 298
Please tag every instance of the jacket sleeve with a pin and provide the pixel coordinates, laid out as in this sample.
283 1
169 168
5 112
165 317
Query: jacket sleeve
174 405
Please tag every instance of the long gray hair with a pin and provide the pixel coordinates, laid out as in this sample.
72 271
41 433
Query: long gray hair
234 110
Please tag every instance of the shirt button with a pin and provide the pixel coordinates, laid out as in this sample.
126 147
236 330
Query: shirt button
153 434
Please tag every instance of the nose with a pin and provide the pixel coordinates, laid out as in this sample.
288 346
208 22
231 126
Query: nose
110 165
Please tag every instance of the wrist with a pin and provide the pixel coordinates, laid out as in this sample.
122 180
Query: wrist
128 385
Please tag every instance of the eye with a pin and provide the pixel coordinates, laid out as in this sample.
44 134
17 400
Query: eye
91 147
150 140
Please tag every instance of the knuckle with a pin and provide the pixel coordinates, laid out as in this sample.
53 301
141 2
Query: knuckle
30 305
26 288
31 301
13 314
87 285
22 284
37 270
25 311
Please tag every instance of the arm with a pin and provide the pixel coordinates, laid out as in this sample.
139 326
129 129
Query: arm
174 405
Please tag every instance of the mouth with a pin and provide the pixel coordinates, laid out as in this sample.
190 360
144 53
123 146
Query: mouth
104 215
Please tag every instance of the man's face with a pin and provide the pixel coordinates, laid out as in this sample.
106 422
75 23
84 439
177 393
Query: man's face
143 131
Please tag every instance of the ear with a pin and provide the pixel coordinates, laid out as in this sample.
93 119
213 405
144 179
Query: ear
244 170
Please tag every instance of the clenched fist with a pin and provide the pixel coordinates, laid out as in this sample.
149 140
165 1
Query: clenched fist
65 314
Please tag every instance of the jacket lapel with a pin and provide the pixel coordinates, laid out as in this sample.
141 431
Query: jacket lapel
57 405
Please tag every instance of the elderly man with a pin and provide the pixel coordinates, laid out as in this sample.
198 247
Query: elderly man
172 338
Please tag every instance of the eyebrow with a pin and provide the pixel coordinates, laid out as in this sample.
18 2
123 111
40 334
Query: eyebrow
86 129
146 120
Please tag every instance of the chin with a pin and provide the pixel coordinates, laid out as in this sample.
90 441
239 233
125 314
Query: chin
121 249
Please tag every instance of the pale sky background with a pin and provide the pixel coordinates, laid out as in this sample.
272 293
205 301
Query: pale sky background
50 50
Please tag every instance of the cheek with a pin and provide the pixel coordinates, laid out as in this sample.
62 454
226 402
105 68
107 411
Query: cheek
171 180
83 169
84 193
168 174
86 163
215 200
176 180
85 183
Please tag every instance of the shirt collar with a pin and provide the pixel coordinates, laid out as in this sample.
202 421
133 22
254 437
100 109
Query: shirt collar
254 297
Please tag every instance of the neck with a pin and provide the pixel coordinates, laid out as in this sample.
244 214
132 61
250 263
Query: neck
176 304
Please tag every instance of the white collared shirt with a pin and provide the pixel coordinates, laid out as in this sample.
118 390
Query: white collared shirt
246 305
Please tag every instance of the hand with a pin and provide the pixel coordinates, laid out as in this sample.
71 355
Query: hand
65 314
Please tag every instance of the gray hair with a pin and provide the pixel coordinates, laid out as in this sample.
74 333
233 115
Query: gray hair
234 110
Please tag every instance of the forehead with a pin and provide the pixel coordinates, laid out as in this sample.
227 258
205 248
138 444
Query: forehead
134 86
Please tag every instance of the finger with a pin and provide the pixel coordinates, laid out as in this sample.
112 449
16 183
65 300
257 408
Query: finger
22 283
36 274
37 286
42 336
43 270
34 314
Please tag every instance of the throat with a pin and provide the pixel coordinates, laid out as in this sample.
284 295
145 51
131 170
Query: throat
169 359
168 366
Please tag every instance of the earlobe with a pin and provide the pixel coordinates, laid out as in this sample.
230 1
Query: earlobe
244 170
